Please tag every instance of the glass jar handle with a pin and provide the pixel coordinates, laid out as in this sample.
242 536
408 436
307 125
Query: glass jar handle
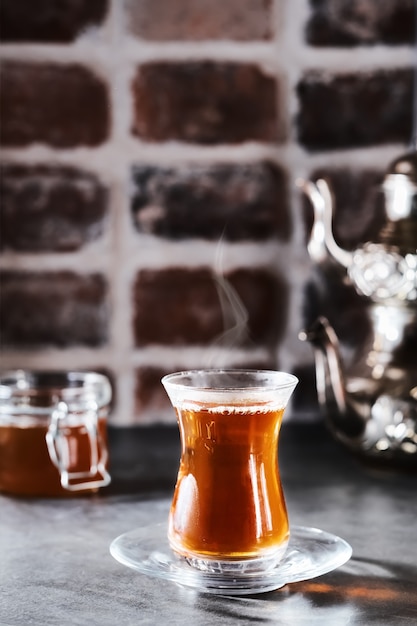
58 448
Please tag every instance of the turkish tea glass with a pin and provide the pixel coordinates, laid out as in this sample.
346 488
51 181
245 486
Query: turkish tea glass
228 513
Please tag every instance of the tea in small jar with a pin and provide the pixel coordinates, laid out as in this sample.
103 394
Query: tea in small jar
53 433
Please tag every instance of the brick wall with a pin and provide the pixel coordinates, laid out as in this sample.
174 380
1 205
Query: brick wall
150 220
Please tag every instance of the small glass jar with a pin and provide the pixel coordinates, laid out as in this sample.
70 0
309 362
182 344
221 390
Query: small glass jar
53 433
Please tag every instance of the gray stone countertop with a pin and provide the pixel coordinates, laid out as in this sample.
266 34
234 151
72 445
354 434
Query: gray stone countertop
56 569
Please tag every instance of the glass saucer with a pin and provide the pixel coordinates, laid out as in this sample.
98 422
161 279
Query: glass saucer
311 552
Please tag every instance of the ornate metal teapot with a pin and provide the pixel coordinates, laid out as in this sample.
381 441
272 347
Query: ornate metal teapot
372 405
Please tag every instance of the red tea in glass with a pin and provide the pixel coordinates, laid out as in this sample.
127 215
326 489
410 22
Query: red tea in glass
228 509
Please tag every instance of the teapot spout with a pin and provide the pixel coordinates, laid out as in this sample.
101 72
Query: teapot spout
344 419
322 244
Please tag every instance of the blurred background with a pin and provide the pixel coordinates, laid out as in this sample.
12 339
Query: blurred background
150 219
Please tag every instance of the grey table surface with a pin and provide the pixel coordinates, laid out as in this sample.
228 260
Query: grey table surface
56 568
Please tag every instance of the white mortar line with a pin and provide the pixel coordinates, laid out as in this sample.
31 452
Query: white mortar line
174 356
108 165
96 53
121 331
55 358
289 20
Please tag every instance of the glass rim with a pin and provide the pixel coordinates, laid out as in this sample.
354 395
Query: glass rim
287 380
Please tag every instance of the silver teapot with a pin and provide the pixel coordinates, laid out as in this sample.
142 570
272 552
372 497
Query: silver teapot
371 404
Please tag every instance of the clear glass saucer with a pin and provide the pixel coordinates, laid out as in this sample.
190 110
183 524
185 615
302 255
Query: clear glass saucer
311 552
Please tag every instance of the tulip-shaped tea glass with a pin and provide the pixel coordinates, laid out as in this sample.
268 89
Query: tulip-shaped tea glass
228 513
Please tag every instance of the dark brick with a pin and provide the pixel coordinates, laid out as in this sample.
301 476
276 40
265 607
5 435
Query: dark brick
50 208
358 211
60 105
182 307
265 297
234 201
363 22
53 309
182 20
59 21
204 102
328 293
149 392
355 109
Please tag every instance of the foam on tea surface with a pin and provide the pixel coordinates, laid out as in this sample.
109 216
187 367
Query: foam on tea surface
230 389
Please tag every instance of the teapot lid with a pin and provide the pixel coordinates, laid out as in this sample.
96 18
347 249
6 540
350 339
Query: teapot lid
400 189
405 165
